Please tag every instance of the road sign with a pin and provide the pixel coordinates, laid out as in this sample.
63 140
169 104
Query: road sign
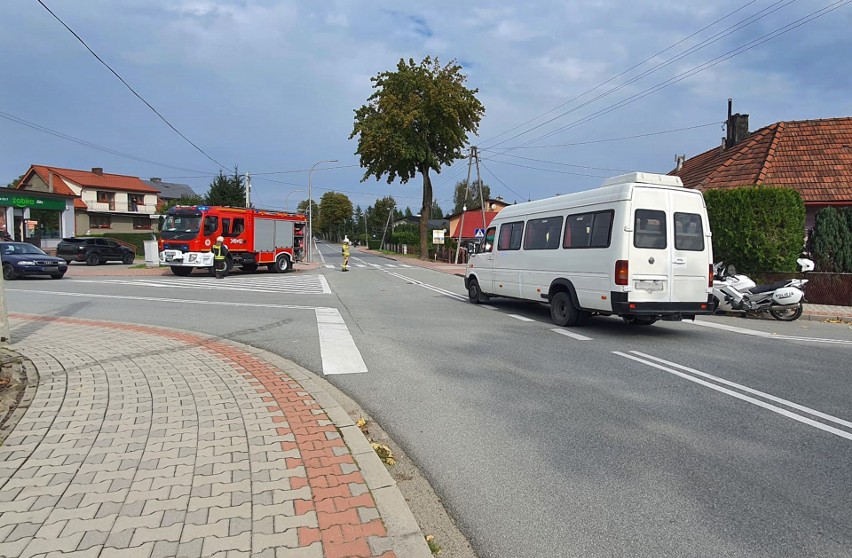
438 236
480 233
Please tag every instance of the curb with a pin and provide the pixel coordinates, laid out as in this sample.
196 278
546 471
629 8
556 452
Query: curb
407 540
17 414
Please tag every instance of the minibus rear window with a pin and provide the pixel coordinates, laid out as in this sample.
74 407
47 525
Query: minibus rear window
650 229
510 236
689 234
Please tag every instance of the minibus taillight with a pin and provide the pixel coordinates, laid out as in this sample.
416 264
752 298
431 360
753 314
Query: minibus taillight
710 277
621 272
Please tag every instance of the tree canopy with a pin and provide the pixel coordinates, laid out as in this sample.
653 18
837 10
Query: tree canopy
227 190
15 182
417 120
472 197
335 212
183 200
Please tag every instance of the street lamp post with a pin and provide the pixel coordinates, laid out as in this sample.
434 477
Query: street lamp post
287 198
311 211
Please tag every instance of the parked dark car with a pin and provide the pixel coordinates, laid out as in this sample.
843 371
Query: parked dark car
20 258
93 251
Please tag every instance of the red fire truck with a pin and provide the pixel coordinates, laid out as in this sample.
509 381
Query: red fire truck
253 237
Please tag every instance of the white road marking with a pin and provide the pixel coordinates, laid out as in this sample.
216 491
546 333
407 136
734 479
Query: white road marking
329 266
360 265
390 265
488 306
292 284
403 265
322 258
428 286
522 318
337 348
670 368
571 334
764 334
338 351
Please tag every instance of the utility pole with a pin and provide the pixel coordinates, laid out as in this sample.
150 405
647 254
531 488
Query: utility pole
464 206
479 184
390 214
366 234
248 189
5 335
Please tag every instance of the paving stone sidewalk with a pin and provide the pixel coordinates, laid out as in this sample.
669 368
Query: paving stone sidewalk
147 442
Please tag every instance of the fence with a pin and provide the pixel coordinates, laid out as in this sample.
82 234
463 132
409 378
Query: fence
822 288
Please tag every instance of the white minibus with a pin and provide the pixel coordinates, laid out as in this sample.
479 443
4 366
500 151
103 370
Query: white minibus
637 247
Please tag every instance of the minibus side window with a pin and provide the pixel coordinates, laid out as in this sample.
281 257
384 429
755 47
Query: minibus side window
689 234
588 230
650 229
543 234
489 239
510 236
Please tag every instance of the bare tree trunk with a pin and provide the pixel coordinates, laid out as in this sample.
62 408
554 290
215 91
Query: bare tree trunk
425 212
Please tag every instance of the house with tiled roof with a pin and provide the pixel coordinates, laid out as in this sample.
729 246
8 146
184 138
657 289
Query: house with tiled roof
811 156
101 202
170 191
466 222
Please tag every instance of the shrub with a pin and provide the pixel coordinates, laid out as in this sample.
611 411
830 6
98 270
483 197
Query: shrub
757 228
831 243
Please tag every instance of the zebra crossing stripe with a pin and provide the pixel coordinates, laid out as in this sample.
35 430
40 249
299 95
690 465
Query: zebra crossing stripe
403 265
329 266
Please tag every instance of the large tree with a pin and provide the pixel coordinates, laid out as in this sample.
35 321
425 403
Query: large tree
335 210
417 120
378 215
227 190
437 212
469 196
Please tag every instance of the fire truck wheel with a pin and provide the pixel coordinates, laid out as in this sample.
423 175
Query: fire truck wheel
183 271
282 264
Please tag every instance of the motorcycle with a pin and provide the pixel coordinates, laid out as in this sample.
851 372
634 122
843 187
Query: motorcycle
738 293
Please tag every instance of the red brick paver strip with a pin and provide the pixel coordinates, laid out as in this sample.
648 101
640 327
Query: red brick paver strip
147 442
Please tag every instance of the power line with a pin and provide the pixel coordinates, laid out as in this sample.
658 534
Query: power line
653 56
701 67
555 163
588 142
61 135
481 162
541 169
121 79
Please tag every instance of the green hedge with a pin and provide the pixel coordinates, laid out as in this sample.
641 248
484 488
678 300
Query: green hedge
831 241
758 228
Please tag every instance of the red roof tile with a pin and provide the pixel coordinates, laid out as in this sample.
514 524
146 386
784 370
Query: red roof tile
812 156
88 179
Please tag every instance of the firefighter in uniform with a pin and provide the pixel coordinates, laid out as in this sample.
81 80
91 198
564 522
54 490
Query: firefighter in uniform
220 258
345 250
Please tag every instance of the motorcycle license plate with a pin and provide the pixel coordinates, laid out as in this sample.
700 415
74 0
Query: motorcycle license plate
650 286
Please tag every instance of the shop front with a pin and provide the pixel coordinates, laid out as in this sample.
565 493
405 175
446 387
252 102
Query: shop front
38 219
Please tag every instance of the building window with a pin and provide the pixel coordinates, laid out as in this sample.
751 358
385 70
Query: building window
107 198
100 221
142 223
134 201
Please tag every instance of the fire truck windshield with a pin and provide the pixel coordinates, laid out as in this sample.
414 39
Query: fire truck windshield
181 226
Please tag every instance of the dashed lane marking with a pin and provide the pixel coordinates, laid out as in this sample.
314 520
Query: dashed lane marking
522 318
571 334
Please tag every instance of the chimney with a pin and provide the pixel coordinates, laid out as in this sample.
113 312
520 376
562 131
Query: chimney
739 126
98 171
156 179
679 159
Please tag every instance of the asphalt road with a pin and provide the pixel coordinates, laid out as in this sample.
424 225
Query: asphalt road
670 440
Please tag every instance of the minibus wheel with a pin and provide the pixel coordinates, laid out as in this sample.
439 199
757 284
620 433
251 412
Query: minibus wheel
563 312
474 294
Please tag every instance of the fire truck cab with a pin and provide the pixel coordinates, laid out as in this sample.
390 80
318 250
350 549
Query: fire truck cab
253 237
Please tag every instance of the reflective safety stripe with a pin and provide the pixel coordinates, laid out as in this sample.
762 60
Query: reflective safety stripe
217 252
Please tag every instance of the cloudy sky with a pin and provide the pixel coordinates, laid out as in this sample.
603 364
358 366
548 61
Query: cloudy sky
271 85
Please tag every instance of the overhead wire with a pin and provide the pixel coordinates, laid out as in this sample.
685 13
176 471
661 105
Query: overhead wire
765 12
497 178
701 67
64 136
121 79
613 78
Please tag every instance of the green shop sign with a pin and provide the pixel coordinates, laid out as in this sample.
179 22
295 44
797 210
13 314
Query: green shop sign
33 202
